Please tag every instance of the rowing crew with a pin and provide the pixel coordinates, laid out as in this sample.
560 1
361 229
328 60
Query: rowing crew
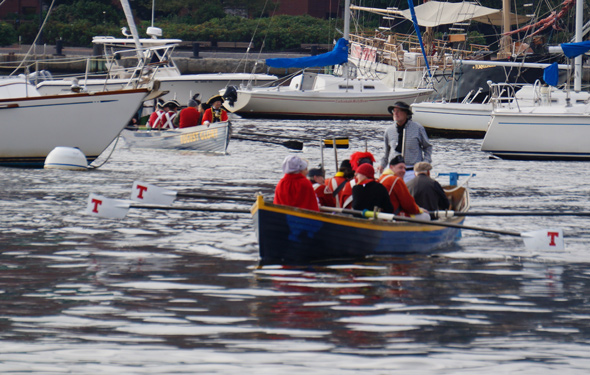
167 116
355 186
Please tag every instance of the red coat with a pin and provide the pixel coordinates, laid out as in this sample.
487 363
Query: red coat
189 117
295 190
331 186
161 120
323 198
208 116
399 194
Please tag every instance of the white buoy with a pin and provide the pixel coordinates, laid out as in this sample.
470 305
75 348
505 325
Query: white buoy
68 158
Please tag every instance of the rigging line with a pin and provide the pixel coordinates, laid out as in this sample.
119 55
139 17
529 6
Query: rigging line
252 42
36 38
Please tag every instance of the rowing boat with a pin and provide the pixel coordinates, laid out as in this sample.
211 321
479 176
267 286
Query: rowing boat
289 235
212 138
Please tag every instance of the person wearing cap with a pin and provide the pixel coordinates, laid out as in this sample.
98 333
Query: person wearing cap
401 199
427 192
294 189
407 138
397 166
369 194
190 115
334 186
356 159
317 177
214 113
163 118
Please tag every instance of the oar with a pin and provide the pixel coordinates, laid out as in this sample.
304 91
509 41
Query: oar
339 142
446 214
152 194
294 145
118 208
546 239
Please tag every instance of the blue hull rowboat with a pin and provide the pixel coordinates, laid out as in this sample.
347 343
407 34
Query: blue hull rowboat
212 138
288 235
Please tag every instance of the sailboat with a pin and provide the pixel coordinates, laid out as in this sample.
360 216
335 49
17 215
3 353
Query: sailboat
546 131
33 125
154 62
319 95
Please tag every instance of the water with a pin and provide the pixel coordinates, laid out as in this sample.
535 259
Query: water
172 292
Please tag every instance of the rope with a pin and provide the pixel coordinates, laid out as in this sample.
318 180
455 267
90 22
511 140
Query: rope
36 38
108 157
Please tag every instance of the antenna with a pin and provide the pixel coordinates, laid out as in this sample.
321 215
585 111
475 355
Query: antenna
153 8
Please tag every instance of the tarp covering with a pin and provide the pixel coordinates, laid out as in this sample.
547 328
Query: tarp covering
575 49
339 55
436 13
551 74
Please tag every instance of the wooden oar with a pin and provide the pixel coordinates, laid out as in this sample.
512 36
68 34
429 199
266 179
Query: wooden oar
294 145
546 239
152 194
446 214
339 142
214 197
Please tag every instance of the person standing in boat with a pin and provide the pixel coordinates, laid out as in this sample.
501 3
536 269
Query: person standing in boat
368 194
164 117
190 115
214 113
427 191
407 138
294 189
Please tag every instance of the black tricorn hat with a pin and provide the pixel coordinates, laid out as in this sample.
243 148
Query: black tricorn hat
213 99
400 105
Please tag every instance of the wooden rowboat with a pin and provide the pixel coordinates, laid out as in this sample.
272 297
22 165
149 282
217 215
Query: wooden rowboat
288 235
212 138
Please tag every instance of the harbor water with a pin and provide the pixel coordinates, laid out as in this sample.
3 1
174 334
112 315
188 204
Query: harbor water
178 292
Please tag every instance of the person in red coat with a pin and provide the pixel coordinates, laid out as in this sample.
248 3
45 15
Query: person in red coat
335 185
214 113
190 115
294 189
163 118
403 202
317 177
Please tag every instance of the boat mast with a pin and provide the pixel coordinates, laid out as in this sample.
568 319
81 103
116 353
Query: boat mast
506 40
578 39
132 28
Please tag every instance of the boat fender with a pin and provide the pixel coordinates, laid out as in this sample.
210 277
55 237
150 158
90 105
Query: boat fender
66 158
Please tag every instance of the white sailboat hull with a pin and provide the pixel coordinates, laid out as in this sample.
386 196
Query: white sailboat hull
326 99
453 118
545 133
181 87
33 126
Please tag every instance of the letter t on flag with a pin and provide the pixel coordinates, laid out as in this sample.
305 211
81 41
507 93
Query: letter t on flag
544 240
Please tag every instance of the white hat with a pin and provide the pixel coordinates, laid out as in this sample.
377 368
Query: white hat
293 164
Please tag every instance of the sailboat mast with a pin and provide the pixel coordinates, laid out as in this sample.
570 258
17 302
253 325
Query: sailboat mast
578 38
346 19
132 28
506 40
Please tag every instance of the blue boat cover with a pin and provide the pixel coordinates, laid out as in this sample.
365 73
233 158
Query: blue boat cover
338 55
551 74
575 49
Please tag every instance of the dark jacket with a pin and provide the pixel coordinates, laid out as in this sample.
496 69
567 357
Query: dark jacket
428 193
370 195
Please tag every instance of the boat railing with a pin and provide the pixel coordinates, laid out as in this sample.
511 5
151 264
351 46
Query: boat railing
504 95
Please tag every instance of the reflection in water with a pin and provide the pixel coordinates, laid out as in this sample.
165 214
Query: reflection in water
181 292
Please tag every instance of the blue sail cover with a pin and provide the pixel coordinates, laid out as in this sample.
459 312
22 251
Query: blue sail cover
339 55
575 49
551 74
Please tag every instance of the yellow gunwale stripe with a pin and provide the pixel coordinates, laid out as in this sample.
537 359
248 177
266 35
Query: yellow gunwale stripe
350 222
